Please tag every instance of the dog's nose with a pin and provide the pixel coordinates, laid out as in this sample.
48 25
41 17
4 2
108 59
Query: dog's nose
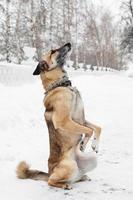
68 45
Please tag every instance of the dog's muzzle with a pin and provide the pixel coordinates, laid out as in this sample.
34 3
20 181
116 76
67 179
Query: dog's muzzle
63 51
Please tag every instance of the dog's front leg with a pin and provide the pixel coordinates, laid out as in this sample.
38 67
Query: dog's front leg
67 124
97 132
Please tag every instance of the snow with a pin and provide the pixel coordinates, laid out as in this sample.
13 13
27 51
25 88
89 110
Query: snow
108 100
14 74
129 72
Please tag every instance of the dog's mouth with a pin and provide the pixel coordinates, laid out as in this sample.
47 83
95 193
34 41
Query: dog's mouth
63 54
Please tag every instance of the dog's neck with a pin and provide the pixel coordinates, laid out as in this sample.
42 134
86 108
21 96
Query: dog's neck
61 82
55 78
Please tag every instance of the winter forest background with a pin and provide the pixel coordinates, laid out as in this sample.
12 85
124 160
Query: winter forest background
101 33
99 38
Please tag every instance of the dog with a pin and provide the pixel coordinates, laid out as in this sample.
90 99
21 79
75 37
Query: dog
69 131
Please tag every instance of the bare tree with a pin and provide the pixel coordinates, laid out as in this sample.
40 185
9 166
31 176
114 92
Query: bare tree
127 32
101 38
51 23
18 50
46 24
7 32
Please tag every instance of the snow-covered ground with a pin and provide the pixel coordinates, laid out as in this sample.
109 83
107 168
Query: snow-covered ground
108 100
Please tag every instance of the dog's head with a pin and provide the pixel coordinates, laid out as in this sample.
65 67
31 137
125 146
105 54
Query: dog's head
54 58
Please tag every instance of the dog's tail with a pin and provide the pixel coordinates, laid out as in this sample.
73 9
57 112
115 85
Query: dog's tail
24 172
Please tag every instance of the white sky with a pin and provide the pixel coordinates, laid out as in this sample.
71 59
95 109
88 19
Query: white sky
113 5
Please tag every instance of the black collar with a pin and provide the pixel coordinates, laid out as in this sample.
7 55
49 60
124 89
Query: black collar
62 82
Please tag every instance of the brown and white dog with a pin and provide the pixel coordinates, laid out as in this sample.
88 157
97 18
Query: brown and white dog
67 126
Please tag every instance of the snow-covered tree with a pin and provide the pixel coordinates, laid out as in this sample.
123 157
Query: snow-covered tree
46 24
127 31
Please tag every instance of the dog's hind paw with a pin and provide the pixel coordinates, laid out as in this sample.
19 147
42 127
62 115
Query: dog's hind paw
67 187
94 145
85 178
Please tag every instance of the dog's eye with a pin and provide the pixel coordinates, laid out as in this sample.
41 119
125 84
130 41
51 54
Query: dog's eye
52 52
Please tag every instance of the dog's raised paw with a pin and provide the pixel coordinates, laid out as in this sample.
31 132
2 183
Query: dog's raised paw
82 146
94 145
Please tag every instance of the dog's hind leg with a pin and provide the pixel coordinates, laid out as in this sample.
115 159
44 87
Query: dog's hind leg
86 161
56 183
64 174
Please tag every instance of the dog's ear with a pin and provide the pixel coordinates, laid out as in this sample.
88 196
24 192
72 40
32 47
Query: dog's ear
41 67
37 70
